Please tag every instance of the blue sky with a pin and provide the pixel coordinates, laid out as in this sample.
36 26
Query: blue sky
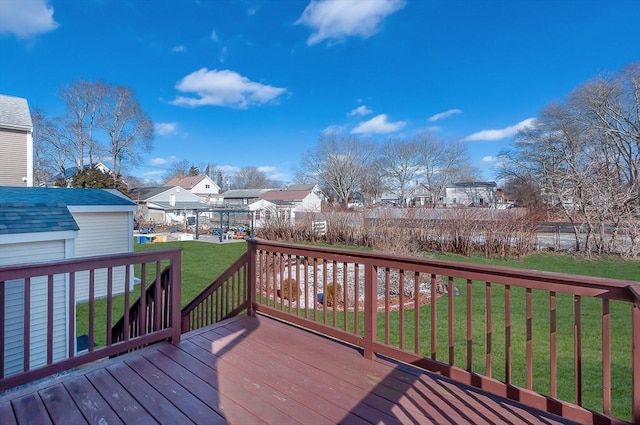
255 83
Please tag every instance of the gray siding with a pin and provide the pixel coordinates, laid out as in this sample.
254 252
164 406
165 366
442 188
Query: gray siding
30 252
13 152
101 234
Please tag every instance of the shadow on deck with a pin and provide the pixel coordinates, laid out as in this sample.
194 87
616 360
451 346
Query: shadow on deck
256 370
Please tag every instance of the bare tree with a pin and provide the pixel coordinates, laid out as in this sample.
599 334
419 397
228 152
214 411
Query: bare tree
82 99
339 165
583 156
129 130
442 163
251 178
176 169
51 148
400 162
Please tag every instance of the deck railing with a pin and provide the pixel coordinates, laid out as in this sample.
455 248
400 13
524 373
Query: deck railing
225 297
566 344
41 338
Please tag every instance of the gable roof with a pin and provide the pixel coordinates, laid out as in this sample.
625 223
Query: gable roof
144 193
474 184
302 186
243 193
63 195
14 113
71 171
22 217
187 182
285 195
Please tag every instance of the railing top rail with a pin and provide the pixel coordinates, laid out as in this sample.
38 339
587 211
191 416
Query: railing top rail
20 271
580 285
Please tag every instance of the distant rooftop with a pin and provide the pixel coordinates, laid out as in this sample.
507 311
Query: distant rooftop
14 113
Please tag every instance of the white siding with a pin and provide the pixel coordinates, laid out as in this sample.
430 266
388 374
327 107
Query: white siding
101 234
29 252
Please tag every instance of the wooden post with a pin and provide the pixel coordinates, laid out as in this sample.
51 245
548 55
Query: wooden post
370 308
251 277
176 298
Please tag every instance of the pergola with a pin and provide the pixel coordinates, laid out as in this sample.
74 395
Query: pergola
225 218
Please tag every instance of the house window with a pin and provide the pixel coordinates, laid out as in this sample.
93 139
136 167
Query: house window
481 201
257 214
267 214
455 200
207 186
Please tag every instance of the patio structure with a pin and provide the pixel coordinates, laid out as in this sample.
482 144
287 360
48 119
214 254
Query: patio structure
249 349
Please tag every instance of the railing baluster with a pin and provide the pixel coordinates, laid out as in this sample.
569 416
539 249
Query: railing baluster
142 318
71 350
402 307
92 287
387 300
356 299
434 303
334 270
345 293
507 334
469 325
606 357
157 308
577 348
529 336
26 343
50 319
325 295
110 306
489 331
553 346
127 326
416 312
451 319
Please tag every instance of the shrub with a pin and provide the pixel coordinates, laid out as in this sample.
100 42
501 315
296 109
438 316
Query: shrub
289 285
329 293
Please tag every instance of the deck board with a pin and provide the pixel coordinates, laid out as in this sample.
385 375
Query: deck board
257 371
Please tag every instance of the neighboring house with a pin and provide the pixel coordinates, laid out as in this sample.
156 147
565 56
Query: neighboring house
283 205
165 205
48 224
239 198
201 186
312 187
421 196
16 142
72 171
477 194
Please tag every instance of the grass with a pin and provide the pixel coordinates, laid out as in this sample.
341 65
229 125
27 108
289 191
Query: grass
203 262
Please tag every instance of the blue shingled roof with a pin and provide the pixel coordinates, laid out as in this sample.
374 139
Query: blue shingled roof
62 195
22 217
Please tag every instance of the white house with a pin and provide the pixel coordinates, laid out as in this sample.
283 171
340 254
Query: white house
283 205
16 142
48 224
165 205
477 194
202 186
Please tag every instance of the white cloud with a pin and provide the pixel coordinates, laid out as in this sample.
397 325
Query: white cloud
360 111
158 161
224 88
337 19
178 49
214 36
378 124
266 169
333 129
489 159
503 133
165 128
443 115
26 18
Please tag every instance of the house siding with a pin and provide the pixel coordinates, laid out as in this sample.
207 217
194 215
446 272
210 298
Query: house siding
14 153
29 252
101 234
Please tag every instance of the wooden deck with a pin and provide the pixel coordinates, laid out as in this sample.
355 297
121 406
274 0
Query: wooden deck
250 370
